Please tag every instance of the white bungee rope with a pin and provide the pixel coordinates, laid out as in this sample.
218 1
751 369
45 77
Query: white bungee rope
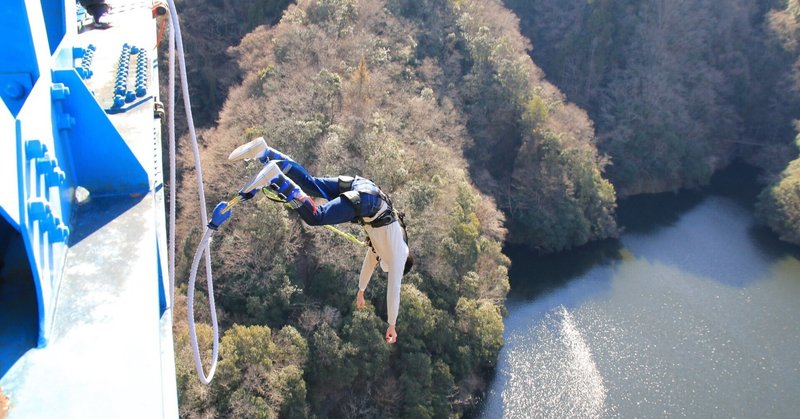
176 38
172 175
190 305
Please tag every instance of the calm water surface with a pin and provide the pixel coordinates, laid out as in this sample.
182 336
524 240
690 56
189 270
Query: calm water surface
694 311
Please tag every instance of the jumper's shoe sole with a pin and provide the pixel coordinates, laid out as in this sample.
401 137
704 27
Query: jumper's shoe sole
251 150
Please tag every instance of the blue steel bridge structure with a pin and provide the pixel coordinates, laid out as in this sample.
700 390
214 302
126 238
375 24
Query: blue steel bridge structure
85 316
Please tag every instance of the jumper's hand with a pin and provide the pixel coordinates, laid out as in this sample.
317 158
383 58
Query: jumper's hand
391 335
360 299
219 216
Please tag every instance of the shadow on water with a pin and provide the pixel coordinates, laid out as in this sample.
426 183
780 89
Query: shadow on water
646 214
532 275
739 181
709 232
768 243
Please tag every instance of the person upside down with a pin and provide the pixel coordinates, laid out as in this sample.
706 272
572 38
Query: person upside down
349 199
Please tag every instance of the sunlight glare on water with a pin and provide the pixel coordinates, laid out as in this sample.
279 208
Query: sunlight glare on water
554 373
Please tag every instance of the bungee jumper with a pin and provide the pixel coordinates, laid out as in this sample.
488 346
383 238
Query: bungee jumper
348 199
98 9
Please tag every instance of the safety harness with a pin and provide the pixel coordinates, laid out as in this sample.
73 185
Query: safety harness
388 216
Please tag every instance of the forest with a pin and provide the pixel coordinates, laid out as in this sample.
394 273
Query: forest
678 90
487 123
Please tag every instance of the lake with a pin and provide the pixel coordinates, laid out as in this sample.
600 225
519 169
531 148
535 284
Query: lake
693 311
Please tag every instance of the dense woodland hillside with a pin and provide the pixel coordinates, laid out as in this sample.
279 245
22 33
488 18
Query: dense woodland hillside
209 28
342 87
779 204
678 89
440 103
532 150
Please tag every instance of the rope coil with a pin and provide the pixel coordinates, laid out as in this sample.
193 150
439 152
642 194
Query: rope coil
175 39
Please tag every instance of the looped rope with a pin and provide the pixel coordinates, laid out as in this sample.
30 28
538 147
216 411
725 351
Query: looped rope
190 306
176 38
